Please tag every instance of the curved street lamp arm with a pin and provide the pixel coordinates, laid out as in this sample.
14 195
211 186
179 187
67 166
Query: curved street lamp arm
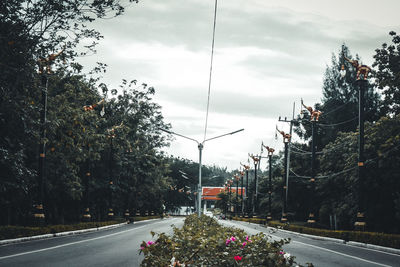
222 135
170 132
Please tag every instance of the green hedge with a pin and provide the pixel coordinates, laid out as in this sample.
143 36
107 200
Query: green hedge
10 232
380 239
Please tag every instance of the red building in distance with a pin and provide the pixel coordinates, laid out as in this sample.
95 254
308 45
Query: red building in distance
210 194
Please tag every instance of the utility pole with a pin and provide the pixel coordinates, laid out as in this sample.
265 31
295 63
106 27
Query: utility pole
246 202
256 160
363 70
270 153
286 140
237 194
290 141
39 215
241 193
314 117
110 213
44 70
360 223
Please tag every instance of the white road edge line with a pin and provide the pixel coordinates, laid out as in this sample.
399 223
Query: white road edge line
72 243
359 247
329 250
343 254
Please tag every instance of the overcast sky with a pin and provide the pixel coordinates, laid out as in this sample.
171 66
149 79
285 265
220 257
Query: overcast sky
268 54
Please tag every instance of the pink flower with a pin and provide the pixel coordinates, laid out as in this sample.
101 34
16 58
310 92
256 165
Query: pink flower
238 258
141 248
233 238
281 252
227 241
244 244
149 243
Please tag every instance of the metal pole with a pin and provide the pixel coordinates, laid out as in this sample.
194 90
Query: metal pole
86 214
311 216
110 214
247 191
241 206
269 217
360 223
200 147
39 211
237 196
255 190
284 215
288 159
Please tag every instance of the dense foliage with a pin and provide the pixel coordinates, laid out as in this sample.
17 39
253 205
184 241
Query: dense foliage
337 192
102 146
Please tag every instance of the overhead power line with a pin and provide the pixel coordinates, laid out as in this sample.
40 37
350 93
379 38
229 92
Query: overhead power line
211 64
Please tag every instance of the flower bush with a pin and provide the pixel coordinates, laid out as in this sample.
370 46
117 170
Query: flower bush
203 242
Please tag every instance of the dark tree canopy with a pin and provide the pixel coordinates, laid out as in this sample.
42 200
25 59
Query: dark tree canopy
387 74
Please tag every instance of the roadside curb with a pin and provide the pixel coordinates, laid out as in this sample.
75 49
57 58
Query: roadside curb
336 240
76 232
341 241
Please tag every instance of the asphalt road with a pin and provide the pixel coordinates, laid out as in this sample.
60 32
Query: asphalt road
321 252
120 247
115 247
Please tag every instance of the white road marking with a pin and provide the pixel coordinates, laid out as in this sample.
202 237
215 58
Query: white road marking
73 243
342 254
332 251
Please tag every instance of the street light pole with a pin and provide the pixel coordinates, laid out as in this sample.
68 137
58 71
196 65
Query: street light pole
237 195
241 194
200 146
246 201
311 216
39 211
286 140
314 117
270 153
363 70
44 70
360 223
256 160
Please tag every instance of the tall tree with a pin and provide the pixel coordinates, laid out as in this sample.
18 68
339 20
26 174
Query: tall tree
340 101
387 74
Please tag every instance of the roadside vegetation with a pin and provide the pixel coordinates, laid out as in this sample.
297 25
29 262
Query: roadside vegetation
203 242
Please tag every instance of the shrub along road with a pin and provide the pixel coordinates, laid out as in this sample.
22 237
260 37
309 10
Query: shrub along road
322 252
115 247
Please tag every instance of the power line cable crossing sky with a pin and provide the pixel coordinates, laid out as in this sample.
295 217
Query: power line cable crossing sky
211 64
270 54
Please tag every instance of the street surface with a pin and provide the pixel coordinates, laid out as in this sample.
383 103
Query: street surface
120 247
115 247
323 253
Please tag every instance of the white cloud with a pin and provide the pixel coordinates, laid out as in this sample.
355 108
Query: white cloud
268 54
